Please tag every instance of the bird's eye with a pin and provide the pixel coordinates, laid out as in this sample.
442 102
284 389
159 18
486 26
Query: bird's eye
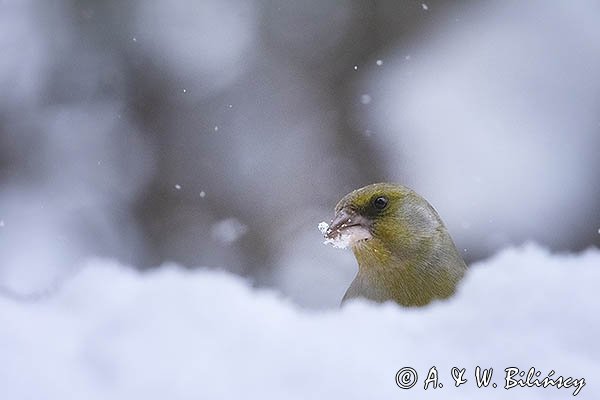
380 202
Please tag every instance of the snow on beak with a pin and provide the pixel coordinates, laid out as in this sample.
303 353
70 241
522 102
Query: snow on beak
345 229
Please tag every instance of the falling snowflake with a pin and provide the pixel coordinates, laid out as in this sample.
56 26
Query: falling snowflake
228 230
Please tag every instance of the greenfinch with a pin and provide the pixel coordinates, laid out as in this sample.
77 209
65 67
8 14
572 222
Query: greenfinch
404 252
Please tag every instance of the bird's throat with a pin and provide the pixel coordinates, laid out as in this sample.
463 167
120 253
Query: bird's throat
384 276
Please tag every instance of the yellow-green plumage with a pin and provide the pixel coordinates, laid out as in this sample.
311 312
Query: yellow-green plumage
403 249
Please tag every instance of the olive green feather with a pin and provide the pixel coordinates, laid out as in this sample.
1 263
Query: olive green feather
406 254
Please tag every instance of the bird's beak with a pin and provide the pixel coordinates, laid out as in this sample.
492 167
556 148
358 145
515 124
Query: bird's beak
348 222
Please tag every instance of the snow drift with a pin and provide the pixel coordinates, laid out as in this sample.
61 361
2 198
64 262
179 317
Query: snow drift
114 333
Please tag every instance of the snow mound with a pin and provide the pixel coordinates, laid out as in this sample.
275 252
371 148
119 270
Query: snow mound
114 333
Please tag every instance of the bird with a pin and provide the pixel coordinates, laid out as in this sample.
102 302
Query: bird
403 249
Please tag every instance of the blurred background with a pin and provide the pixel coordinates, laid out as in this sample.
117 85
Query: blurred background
219 133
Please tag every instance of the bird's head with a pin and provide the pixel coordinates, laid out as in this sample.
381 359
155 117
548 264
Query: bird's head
384 219
403 249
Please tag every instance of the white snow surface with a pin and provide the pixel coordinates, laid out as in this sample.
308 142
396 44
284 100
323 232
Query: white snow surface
111 332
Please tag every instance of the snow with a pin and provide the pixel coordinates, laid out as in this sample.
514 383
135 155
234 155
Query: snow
365 99
112 332
323 226
178 187
228 230
346 237
202 194
379 63
341 241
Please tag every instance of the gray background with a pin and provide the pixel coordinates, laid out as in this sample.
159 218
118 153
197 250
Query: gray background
220 133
